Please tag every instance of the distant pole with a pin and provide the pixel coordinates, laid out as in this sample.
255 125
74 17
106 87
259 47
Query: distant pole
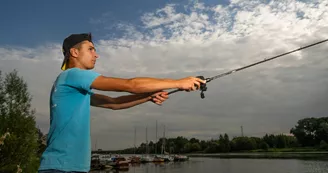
96 145
146 141
135 136
242 131
164 140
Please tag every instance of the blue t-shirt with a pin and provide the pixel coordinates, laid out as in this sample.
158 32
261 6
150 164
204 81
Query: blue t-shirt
68 140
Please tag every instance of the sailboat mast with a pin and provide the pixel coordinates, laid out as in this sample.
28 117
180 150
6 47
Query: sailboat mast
163 144
147 141
135 136
156 139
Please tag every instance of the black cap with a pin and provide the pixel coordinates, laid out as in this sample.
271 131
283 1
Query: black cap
71 41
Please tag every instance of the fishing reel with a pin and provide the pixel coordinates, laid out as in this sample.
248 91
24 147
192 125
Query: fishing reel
203 87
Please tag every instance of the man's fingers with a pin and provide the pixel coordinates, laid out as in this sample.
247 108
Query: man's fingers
164 95
158 97
201 80
197 85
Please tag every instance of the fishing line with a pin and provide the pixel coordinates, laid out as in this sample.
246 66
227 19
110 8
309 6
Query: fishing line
203 87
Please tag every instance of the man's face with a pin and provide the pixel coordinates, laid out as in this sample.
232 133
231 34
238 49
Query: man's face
87 55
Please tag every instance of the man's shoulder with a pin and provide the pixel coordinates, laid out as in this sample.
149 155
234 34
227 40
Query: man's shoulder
78 78
74 72
78 70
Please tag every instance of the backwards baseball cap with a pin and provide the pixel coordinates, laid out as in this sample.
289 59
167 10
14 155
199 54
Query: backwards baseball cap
70 42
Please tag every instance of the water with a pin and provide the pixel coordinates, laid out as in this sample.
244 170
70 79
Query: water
219 165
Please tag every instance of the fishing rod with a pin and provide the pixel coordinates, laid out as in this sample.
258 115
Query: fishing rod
203 87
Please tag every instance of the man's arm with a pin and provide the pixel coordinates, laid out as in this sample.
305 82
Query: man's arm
122 102
144 84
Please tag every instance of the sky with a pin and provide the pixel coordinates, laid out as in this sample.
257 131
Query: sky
176 39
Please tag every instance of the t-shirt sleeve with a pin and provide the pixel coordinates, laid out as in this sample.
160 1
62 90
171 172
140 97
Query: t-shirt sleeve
81 79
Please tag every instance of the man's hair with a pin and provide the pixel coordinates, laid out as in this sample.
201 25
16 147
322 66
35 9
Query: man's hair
77 46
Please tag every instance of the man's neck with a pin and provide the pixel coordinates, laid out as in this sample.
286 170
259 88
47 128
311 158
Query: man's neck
75 65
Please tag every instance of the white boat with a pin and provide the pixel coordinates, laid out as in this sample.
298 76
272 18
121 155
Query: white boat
146 158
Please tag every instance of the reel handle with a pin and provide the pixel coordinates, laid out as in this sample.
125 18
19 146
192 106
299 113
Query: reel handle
203 86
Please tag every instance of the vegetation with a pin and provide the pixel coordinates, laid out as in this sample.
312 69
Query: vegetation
19 139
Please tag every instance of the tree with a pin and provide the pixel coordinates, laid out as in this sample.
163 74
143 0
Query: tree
180 144
322 131
270 140
187 147
281 141
224 143
323 145
19 149
264 146
194 140
41 142
195 147
243 143
203 145
212 147
311 131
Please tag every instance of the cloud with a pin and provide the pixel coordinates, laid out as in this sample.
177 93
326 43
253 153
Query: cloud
175 42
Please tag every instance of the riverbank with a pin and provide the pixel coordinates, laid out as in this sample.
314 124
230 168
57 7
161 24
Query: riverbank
315 155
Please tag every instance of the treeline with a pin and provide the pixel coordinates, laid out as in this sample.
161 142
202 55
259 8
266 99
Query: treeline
309 132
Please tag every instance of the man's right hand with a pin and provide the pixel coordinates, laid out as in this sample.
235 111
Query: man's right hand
190 83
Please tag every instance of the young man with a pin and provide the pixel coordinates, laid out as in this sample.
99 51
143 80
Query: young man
68 141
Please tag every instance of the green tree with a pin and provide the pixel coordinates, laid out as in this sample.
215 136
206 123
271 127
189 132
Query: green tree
187 147
195 147
41 144
203 145
270 140
180 143
194 140
322 131
243 143
323 145
17 118
212 147
257 141
224 143
281 141
291 142
264 146
311 131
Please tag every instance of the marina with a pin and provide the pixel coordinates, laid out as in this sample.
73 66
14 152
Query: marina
123 162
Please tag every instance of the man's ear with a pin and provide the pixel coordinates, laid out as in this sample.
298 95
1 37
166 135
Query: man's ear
74 52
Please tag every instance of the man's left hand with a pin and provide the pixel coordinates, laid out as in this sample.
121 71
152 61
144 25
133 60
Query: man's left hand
159 97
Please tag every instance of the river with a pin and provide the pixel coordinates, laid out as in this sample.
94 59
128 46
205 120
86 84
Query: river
223 165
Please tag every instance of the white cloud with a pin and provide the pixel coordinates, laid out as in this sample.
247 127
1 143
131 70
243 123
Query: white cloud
206 41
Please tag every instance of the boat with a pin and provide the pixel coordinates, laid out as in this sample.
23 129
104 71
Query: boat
157 159
120 163
135 159
146 159
167 158
97 162
180 158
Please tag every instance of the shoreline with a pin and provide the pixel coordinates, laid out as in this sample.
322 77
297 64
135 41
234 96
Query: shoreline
318 155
